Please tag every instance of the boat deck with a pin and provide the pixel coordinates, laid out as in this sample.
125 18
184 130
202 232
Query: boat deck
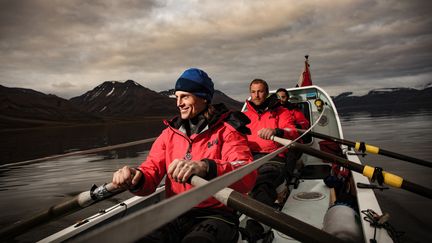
309 203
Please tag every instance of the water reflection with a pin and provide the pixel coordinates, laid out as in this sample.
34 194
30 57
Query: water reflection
349 115
36 143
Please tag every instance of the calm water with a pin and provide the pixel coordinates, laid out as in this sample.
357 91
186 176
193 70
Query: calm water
27 189
409 134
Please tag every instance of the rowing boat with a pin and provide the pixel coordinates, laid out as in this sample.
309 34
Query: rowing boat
311 197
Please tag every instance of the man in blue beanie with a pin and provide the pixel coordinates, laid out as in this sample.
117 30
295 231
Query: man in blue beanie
205 140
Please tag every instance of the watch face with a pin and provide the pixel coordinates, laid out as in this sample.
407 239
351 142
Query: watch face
323 121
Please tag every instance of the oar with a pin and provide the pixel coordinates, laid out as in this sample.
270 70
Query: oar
133 227
368 171
361 146
82 200
81 152
277 220
136 226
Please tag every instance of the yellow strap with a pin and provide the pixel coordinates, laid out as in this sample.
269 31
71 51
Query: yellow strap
389 179
369 148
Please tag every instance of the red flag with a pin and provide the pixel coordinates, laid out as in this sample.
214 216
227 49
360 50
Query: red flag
305 78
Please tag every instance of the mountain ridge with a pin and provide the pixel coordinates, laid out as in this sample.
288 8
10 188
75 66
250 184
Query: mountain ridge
110 101
386 100
114 101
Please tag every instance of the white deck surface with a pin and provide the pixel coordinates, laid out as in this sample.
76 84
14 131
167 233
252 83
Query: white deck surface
308 211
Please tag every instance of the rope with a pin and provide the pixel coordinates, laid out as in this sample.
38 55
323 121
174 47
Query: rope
381 221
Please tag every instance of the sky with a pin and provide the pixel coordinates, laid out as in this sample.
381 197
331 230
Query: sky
69 47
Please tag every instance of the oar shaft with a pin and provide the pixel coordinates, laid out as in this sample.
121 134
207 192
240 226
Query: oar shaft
43 217
370 149
277 220
405 157
81 152
267 215
83 200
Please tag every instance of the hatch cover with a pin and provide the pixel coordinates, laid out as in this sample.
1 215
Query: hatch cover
309 196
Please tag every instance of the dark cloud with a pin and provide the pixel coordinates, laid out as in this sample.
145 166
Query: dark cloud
361 44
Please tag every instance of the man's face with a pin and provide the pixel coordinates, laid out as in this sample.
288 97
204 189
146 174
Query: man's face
258 93
189 105
282 96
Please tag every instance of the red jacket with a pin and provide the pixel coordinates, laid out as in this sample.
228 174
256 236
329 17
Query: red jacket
277 117
299 119
221 144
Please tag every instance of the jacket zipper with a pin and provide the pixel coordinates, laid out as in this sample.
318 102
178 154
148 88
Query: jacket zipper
188 155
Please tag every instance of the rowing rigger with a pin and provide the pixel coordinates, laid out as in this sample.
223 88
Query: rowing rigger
368 171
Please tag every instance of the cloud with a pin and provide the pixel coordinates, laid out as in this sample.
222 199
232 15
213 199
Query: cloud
362 44
63 85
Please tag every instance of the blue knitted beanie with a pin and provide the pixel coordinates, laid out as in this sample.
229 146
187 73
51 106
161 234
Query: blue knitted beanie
197 82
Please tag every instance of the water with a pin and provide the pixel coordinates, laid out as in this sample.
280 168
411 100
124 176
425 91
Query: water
31 144
27 189
31 188
409 134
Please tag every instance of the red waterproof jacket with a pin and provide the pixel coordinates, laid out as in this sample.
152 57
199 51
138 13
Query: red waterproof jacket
277 117
221 144
299 119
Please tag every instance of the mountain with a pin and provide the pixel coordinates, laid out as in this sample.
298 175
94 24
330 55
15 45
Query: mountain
386 99
113 99
218 97
20 108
